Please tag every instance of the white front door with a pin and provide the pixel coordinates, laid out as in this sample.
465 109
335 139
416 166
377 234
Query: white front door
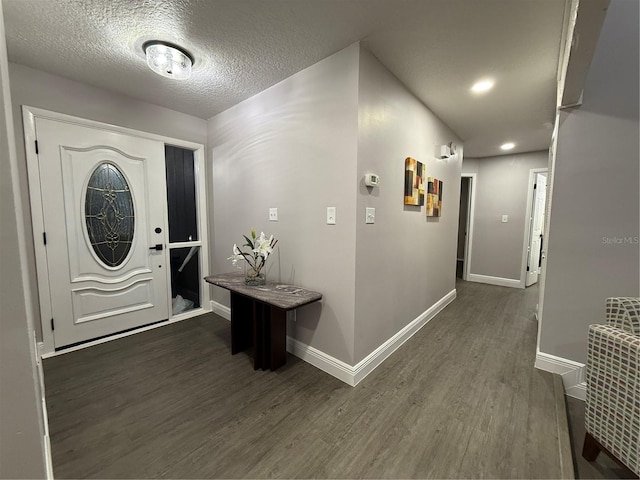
103 204
537 227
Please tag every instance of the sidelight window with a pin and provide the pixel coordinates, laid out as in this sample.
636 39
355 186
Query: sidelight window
184 238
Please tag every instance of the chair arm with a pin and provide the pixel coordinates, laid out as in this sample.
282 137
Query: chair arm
624 312
612 406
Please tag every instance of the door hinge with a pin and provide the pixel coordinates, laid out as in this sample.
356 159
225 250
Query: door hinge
44 237
527 268
535 185
36 147
53 325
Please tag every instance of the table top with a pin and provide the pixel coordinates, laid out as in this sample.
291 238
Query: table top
283 296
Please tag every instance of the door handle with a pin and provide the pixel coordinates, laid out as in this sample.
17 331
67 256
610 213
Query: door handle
157 247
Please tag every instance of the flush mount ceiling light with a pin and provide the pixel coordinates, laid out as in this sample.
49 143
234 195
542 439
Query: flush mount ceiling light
482 86
507 146
168 60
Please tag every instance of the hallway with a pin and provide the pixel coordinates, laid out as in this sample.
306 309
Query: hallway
461 399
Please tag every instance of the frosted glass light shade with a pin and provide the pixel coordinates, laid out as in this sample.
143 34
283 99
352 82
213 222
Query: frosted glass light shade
168 60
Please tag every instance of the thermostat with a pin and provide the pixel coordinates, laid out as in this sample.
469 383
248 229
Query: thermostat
371 180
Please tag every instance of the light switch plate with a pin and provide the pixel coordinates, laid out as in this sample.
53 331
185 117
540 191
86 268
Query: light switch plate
331 215
505 218
370 215
273 214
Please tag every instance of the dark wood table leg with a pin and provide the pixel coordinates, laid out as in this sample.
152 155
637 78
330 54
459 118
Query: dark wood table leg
278 338
241 320
258 334
264 327
266 335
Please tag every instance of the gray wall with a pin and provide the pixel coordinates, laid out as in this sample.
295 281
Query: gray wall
404 262
293 146
593 252
21 427
39 89
305 144
502 187
470 165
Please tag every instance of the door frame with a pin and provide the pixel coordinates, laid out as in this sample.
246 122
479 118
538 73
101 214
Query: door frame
29 115
527 224
471 208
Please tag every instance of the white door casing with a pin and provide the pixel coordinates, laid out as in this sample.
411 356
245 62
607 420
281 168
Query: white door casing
537 225
468 241
90 298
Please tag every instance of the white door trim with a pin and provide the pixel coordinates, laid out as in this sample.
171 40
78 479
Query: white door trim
527 224
547 222
29 114
63 117
468 242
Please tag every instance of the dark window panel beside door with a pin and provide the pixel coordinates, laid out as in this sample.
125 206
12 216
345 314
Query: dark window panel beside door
185 279
181 194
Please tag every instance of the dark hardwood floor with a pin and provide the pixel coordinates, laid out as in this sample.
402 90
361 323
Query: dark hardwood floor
461 399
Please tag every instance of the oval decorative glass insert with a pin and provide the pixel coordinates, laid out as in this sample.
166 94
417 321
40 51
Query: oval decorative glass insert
109 215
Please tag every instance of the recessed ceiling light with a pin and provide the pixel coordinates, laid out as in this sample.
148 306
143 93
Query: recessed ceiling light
507 146
482 86
168 60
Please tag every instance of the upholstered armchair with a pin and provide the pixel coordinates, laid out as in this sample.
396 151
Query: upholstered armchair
612 407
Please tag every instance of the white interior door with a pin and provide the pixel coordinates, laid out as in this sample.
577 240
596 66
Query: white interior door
103 204
537 226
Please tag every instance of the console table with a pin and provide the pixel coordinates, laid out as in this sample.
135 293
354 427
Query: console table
259 316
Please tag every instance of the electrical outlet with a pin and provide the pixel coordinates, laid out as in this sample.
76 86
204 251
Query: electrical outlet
273 214
370 215
331 215
505 218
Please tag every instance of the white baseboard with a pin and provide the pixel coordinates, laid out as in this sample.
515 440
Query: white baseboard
315 357
572 373
352 375
41 350
46 441
380 354
220 309
323 361
48 458
503 282
578 391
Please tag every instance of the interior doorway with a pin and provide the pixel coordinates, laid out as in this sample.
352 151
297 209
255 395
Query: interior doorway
536 207
465 225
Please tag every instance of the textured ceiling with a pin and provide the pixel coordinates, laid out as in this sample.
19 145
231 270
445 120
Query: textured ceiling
437 48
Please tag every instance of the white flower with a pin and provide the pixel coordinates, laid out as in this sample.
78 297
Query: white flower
236 257
263 245
256 258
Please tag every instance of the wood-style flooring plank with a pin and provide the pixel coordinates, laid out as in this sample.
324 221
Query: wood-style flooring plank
460 399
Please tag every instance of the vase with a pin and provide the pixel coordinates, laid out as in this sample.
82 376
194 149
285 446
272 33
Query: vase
253 278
